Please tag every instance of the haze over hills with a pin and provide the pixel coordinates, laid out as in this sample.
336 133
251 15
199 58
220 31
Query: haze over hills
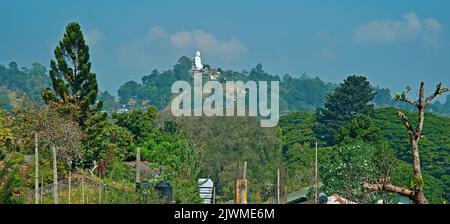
304 93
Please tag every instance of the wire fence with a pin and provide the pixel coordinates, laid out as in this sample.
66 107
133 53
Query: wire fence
86 189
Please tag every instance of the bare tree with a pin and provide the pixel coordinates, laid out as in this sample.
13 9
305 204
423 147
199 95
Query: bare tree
57 132
415 193
64 137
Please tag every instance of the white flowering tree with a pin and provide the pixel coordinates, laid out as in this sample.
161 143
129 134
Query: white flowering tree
348 167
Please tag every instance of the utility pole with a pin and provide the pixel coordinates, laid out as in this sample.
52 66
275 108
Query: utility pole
315 178
70 184
138 168
278 186
36 169
214 195
55 177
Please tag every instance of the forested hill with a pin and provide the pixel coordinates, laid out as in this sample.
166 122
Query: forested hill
297 94
15 81
304 93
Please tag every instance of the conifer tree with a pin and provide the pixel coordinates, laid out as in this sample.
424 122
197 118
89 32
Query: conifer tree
352 97
72 80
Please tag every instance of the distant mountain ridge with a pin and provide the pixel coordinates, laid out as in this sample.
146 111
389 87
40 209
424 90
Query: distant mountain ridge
302 94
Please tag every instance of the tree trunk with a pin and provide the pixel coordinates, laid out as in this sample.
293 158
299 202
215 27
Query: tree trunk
416 158
420 198
82 187
138 165
70 185
55 177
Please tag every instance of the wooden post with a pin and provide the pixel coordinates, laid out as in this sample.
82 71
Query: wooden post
100 192
36 170
214 195
70 185
82 187
55 177
138 165
278 186
315 179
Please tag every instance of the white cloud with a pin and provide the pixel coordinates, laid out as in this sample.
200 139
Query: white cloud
93 37
409 28
200 40
160 49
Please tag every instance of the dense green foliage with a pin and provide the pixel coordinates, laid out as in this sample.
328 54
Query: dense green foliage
105 140
434 145
6 135
297 128
361 128
298 141
71 75
349 99
12 180
139 123
180 163
229 141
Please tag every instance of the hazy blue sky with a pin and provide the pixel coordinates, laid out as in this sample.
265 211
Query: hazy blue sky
394 43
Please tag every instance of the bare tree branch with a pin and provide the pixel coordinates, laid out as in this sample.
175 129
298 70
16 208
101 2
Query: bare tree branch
421 96
405 122
439 90
404 97
408 101
389 188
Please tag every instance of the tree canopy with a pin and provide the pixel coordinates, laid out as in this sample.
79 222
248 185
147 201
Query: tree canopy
350 98
71 76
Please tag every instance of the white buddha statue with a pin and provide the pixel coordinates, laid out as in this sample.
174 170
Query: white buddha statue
198 62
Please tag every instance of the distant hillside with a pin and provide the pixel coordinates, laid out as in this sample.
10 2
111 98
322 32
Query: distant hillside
15 82
296 94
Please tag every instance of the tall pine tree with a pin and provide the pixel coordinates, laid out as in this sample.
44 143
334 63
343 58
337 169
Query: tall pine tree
73 82
348 100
